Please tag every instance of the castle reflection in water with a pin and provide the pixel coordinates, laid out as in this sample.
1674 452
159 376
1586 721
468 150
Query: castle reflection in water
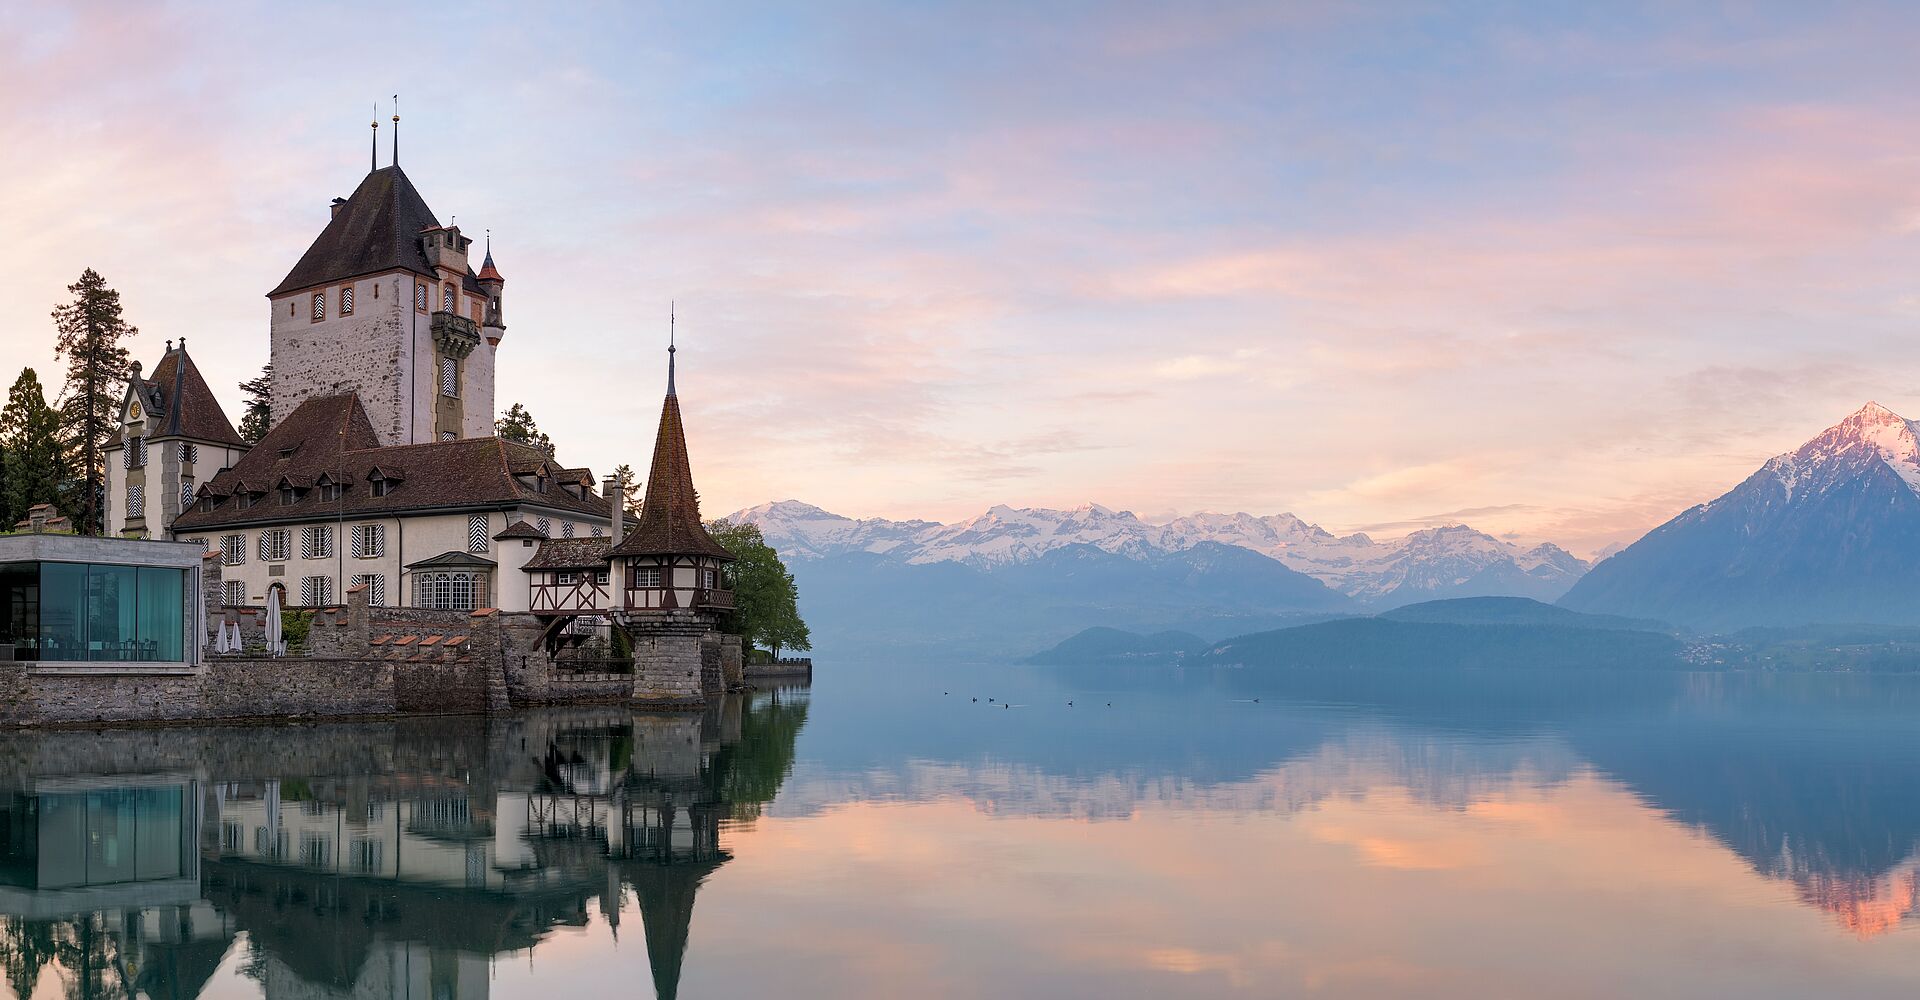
372 860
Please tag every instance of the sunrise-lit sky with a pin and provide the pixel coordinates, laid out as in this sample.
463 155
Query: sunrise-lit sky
1558 271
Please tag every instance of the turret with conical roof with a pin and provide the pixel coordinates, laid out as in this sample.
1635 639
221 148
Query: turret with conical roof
671 562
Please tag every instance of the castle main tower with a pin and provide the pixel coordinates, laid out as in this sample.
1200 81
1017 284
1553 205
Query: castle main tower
385 305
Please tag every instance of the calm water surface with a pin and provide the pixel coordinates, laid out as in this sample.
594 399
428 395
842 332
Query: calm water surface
884 835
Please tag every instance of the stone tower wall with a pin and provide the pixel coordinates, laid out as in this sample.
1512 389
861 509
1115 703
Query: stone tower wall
370 352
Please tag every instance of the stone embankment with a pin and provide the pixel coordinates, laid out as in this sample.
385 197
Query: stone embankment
363 661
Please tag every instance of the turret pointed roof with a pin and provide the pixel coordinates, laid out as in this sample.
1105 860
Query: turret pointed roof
670 513
378 229
665 894
487 271
180 403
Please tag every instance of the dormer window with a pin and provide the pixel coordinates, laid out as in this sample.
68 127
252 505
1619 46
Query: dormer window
246 500
382 487
288 451
319 306
329 491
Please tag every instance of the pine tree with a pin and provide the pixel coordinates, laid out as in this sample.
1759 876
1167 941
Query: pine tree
629 488
30 441
258 418
90 331
517 425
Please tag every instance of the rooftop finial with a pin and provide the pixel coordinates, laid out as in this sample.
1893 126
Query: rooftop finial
489 232
169 347
373 152
396 130
671 349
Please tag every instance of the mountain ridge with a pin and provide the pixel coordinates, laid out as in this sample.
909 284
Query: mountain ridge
1444 561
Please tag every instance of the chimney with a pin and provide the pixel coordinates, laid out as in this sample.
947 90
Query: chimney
337 202
616 504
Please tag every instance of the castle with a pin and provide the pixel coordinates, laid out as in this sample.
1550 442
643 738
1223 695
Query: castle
381 469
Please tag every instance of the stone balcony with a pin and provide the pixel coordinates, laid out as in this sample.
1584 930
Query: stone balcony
456 334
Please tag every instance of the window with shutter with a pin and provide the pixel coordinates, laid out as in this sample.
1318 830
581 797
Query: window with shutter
136 501
186 495
233 549
346 301
376 585
566 529
233 593
477 533
189 452
546 527
446 298
316 542
420 297
319 305
449 377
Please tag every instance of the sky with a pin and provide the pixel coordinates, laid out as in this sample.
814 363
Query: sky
1555 271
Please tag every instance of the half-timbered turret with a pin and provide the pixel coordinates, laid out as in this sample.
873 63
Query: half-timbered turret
669 562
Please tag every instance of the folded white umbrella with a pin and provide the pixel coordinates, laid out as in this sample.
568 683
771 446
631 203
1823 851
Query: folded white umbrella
276 643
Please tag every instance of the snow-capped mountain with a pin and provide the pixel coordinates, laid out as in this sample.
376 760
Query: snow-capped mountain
1453 561
1829 532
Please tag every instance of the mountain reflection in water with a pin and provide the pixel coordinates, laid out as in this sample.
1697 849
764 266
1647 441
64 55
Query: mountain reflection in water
1352 833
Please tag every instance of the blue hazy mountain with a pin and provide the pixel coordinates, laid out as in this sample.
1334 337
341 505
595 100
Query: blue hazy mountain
1361 643
1015 579
951 609
1515 611
1829 532
1118 646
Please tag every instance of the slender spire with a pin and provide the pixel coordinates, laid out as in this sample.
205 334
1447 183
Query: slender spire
396 130
373 152
670 348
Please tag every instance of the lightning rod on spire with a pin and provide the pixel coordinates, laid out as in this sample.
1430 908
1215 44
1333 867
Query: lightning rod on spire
373 152
671 349
396 130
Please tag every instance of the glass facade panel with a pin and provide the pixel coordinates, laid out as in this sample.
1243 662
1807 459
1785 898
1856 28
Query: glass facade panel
65 612
111 606
63 605
162 610
19 610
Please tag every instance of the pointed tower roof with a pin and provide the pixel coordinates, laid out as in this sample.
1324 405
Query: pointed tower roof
182 405
378 229
487 271
665 894
670 513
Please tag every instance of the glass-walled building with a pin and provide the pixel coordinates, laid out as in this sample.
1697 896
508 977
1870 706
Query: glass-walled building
117 602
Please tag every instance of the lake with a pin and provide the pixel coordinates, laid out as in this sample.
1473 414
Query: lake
1112 833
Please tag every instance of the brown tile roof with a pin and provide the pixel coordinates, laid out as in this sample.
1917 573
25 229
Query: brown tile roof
518 529
570 553
377 230
670 514
179 403
332 434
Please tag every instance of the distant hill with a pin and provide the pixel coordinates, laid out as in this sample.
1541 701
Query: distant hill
1383 642
1515 611
1112 645
1829 532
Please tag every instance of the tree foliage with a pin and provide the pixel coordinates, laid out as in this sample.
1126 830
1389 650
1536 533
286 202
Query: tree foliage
257 419
517 425
766 603
32 461
89 331
629 488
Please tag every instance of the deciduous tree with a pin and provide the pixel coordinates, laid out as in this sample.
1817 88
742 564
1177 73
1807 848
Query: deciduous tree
766 602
